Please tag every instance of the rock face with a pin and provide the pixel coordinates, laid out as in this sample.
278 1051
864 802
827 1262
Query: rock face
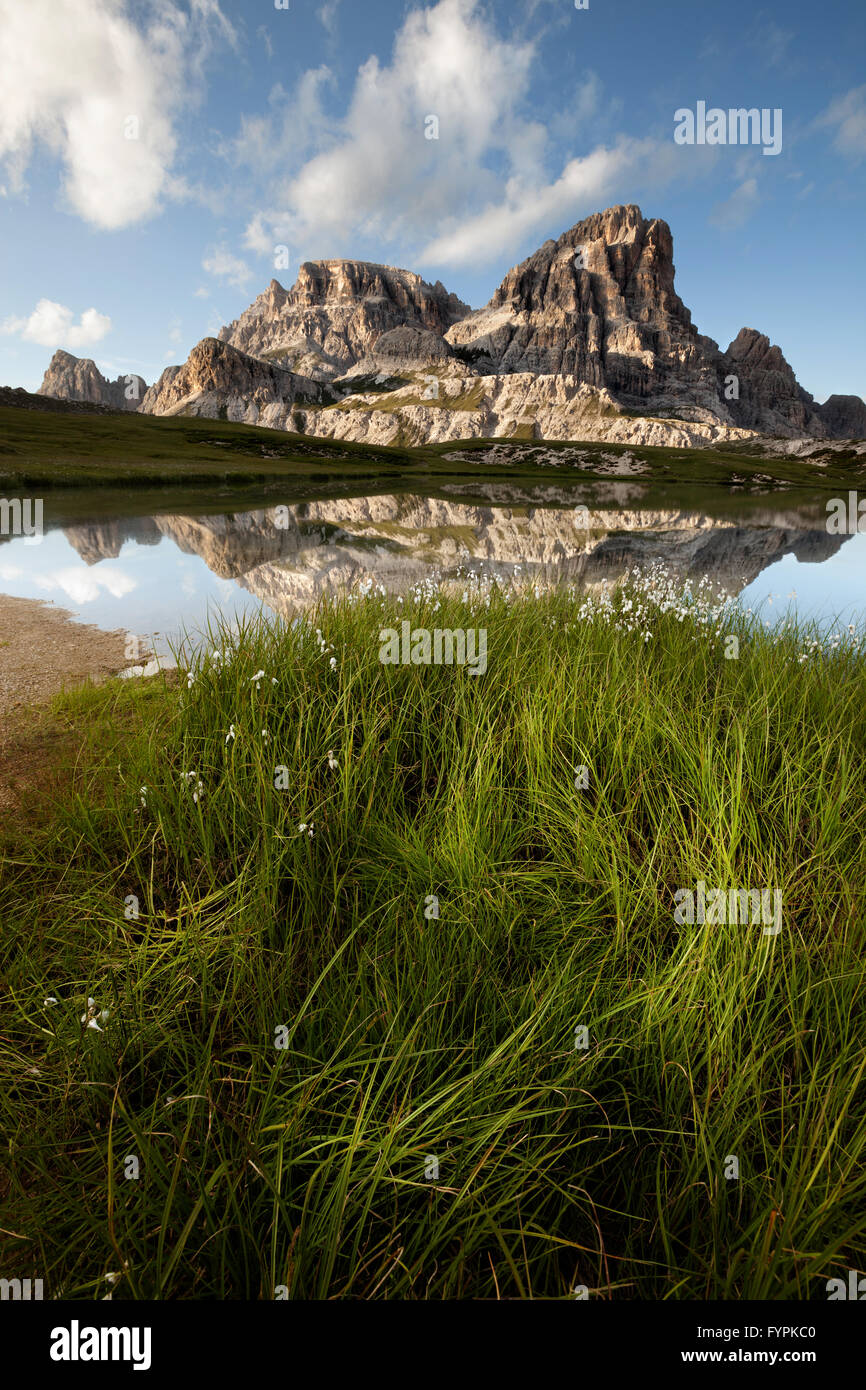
586 339
770 397
598 304
79 379
844 416
519 405
219 382
336 311
29 400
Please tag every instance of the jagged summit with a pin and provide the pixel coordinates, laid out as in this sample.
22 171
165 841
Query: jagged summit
336 310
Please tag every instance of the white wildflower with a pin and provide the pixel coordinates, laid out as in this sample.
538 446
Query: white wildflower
91 1014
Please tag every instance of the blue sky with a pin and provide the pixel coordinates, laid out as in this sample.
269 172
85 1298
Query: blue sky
153 155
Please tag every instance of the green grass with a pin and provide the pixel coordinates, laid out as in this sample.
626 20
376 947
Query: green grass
52 451
408 1038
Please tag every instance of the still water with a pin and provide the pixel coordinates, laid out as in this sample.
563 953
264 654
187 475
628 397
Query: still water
168 573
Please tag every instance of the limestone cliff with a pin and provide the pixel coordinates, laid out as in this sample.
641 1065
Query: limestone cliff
79 379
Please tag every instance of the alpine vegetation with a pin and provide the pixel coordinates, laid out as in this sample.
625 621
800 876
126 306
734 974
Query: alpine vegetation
402 1011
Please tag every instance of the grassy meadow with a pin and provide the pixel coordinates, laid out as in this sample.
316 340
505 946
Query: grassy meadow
56 451
304 1083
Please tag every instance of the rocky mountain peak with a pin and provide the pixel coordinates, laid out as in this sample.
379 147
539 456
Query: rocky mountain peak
334 313
598 303
216 373
585 338
79 379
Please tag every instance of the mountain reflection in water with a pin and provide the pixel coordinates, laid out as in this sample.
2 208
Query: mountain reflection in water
287 556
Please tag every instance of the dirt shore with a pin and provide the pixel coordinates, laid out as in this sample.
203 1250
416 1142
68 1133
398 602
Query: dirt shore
42 651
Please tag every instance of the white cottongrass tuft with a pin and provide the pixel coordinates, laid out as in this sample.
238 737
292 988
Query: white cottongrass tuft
89 1017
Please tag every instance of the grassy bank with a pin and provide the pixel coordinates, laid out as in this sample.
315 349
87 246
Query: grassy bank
47 450
427 1126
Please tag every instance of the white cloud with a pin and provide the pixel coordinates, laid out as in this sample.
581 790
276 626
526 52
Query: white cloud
583 184
483 188
847 114
297 121
738 208
79 78
84 585
328 15
374 170
201 293
221 263
53 325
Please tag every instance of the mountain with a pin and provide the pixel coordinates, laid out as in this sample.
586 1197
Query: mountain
335 312
585 339
79 379
216 376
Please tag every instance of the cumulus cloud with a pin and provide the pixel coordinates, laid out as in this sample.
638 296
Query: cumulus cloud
486 180
52 324
508 221
846 116
374 169
224 266
78 78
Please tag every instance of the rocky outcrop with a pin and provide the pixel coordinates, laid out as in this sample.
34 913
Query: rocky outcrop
335 313
769 397
104 540
437 407
29 400
844 416
79 379
220 382
598 304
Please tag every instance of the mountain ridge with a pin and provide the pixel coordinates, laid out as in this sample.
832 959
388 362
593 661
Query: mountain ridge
586 338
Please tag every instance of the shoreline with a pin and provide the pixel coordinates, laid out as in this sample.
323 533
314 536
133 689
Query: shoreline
43 650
